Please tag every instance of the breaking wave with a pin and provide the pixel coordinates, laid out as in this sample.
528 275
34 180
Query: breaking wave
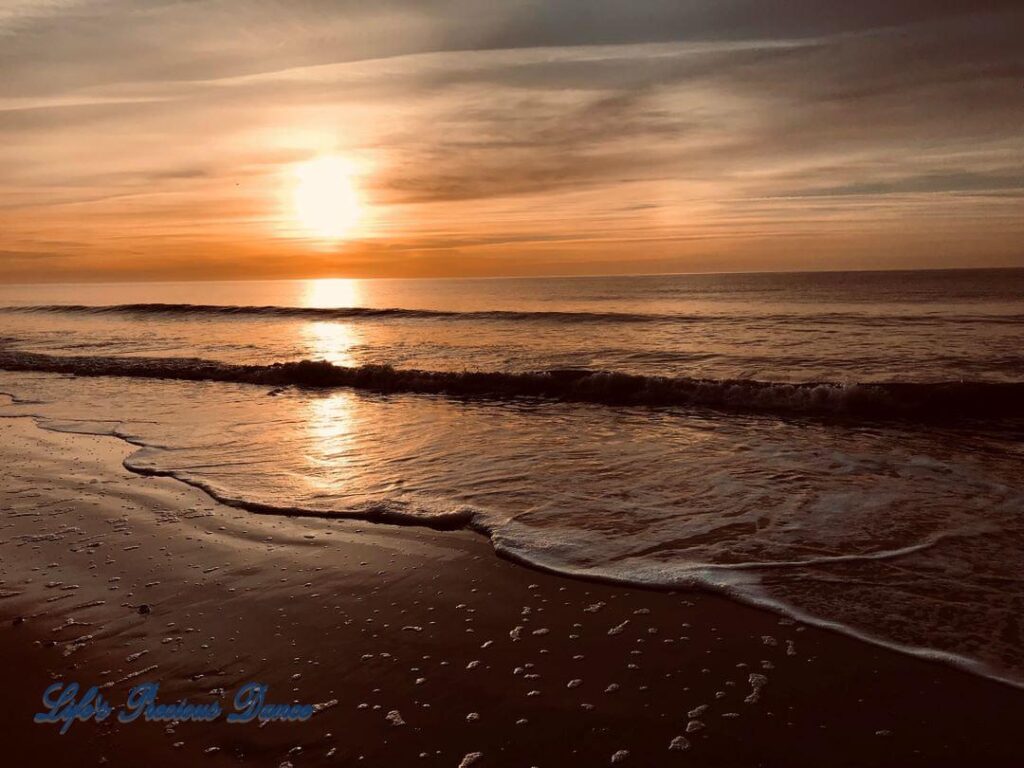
939 401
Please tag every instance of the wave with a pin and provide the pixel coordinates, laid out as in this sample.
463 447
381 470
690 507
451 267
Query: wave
333 313
356 313
938 401
736 584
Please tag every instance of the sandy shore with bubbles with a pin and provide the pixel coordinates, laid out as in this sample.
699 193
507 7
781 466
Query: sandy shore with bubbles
418 647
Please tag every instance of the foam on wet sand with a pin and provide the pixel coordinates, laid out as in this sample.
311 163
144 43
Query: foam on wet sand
375 624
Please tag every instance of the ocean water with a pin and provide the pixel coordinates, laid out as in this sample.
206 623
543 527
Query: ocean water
842 447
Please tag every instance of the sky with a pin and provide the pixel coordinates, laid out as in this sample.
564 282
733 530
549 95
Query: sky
163 140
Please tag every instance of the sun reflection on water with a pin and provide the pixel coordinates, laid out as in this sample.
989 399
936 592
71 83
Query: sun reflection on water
329 418
331 340
330 428
332 292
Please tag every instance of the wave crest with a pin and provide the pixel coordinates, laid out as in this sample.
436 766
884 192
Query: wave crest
940 401
334 313
369 313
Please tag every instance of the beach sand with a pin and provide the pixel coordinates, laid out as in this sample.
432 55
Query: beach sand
476 654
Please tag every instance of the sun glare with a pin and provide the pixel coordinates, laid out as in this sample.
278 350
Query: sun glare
325 198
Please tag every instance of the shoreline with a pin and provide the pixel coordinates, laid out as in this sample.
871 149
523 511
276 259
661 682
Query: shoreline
463 520
80 528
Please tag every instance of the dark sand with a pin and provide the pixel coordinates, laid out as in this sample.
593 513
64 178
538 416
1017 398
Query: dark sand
371 619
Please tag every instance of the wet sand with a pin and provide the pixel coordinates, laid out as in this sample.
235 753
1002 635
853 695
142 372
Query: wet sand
475 654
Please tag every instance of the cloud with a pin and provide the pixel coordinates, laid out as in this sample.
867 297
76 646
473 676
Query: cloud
495 125
58 47
929 183
31 256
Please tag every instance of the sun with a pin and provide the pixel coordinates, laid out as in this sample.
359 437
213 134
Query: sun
325 197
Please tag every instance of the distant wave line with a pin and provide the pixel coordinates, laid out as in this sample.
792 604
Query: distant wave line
333 313
356 313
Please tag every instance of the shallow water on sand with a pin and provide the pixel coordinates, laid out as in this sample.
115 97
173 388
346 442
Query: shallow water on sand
845 502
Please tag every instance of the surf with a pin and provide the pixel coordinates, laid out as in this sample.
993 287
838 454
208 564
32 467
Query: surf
913 401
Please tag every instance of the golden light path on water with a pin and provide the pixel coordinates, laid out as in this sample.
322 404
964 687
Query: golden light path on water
331 340
329 416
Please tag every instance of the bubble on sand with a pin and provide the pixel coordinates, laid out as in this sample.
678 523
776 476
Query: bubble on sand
757 682
618 629
679 744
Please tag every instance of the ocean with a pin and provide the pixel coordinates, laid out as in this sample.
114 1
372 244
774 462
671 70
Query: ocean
843 448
